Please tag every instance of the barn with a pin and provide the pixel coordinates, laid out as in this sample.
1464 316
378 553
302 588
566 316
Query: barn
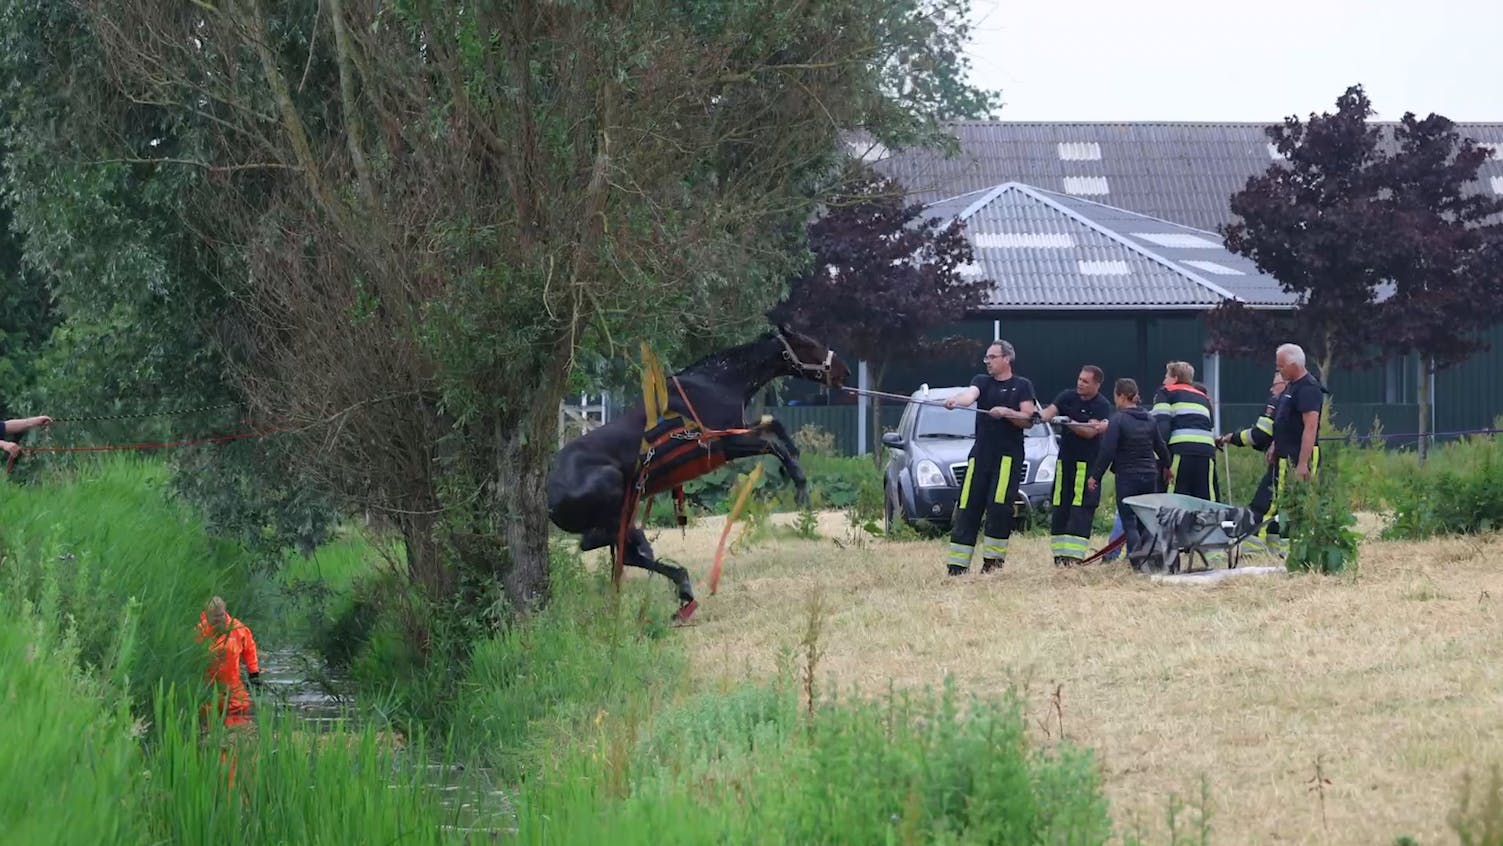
1101 241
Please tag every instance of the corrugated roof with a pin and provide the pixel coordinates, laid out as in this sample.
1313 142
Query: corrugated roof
1045 249
1184 172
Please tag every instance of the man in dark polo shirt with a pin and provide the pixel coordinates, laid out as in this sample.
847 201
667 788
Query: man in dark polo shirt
1082 414
995 466
1296 422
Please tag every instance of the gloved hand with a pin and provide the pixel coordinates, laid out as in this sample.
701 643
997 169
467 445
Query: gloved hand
255 680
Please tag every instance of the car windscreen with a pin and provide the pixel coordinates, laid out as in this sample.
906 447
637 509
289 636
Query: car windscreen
935 422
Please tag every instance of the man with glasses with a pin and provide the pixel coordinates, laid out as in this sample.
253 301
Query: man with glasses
1006 408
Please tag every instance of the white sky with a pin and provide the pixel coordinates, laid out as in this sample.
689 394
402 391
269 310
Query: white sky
1201 60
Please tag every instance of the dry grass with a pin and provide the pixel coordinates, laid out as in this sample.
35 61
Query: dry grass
1391 678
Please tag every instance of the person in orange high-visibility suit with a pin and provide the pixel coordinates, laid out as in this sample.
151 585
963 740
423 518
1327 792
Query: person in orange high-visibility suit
230 644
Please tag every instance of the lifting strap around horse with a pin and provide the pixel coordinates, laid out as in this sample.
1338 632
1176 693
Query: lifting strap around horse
673 451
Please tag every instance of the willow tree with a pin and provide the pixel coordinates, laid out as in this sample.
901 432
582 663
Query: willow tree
419 211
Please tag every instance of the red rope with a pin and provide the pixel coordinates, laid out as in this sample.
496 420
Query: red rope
218 439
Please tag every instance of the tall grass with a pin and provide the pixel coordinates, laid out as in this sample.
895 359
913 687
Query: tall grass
109 541
66 745
280 784
533 687
753 767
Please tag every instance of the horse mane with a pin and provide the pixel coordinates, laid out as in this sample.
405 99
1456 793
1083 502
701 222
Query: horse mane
729 359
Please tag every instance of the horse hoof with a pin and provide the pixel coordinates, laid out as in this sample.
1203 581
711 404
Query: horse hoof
685 611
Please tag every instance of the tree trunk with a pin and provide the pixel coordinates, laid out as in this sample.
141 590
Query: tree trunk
425 562
1422 394
523 456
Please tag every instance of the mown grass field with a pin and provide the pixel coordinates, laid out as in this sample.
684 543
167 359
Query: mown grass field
1388 683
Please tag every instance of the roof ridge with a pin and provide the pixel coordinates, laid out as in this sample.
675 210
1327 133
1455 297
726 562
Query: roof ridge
1154 218
1038 194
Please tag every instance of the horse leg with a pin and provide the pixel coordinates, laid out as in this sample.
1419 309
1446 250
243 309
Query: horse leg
639 554
747 446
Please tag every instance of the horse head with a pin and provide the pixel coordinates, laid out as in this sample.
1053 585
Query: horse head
807 358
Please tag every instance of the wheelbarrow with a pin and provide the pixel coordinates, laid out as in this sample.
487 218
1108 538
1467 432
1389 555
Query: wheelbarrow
1179 528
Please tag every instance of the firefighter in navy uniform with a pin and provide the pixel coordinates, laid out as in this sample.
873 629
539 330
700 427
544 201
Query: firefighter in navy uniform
1183 412
1082 414
994 469
1296 424
1259 436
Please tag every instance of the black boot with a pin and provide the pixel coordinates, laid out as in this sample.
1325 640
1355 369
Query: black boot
990 564
957 570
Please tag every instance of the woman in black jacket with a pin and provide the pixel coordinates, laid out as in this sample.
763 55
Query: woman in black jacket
1134 449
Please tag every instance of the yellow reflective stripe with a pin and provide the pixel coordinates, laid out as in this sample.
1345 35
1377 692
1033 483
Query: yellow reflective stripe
1174 469
1191 438
1071 545
993 547
1080 476
1059 483
1003 480
1163 408
1188 407
960 554
965 489
1265 425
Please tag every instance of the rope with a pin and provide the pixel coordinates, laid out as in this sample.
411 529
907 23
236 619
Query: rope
145 414
1415 435
217 439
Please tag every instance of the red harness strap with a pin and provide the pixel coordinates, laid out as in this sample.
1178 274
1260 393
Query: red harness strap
657 472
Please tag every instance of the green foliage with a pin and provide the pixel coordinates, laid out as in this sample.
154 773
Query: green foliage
285 784
1316 518
110 540
758 769
588 652
66 741
1455 492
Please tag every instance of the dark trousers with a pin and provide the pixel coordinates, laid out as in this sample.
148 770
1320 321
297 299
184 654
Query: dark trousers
1074 509
1262 501
1133 486
990 487
1194 475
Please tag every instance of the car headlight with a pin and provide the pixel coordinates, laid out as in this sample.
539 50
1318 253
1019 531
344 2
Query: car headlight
926 474
1046 470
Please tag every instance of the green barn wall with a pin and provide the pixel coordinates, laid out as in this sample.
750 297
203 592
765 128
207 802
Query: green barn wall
1051 349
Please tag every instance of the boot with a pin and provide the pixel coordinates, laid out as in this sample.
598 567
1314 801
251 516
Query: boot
957 570
1065 561
990 564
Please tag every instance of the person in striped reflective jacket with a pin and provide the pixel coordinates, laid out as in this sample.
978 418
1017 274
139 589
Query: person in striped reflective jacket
1259 436
1183 414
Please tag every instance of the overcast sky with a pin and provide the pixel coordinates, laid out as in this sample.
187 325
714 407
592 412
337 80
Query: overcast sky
1149 60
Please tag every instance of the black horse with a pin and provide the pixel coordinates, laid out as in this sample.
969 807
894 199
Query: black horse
592 474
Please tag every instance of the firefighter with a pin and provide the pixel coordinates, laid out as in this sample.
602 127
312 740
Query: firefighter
1183 413
19 426
1296 423
230 645
994 469
1083 414
1259 436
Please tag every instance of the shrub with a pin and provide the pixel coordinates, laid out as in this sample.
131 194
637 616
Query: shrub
1315 516
1456 492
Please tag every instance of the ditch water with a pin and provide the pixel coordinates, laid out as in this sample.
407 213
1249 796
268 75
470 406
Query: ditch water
297 685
